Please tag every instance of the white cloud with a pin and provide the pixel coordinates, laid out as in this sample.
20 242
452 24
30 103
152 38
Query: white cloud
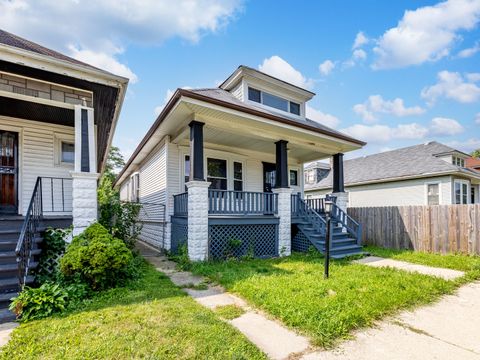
452 85
277 67
384 133
467 145
477 118
468 52
326 67
168 94
321 117
375 105
104 61
445 127
360 40
426 34
359 54
96 30
473 77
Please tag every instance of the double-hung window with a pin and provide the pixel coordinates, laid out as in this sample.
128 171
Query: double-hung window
433 194
461 192
67 153
217 173
237 176
135 187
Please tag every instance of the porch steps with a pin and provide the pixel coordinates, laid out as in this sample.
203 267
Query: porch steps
343 244
10 228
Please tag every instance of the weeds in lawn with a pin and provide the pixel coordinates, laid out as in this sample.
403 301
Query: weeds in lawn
229 312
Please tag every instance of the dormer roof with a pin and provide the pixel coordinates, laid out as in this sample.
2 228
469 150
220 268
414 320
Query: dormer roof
247 72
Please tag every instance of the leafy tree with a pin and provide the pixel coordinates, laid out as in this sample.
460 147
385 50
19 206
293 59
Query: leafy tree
476 153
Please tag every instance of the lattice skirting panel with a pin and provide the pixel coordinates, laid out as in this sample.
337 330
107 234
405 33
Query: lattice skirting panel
179 234
300 242
239 240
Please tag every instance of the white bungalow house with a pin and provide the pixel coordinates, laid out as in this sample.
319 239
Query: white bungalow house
57 119
425 174
227 165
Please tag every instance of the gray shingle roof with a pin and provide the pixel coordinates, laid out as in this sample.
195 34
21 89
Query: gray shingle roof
10 39
226 96
418 160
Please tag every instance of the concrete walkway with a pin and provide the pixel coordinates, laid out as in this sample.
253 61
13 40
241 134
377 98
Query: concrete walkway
268 335
447 274
5 332
447 330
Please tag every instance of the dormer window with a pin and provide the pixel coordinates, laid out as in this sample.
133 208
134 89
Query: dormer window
274 101
458 161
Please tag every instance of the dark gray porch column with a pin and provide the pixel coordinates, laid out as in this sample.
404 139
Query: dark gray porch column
338 183
196 151
281 162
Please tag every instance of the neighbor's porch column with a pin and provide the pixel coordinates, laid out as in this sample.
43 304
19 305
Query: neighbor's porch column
338 182
85 176
197 197
284 194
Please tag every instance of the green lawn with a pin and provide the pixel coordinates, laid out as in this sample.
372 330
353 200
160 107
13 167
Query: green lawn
467 263
293 290
149 319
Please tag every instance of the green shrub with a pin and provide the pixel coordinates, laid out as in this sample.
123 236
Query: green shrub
37 303
53 247
96 258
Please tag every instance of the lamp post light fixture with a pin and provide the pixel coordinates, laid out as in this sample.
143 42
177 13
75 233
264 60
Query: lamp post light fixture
328 237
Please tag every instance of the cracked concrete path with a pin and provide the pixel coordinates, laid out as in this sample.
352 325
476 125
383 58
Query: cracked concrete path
446 274
447 330
270 336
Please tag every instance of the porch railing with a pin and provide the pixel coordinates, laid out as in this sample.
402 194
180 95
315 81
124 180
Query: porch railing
347 222
304 210
222 202
29 230
56 194
180 204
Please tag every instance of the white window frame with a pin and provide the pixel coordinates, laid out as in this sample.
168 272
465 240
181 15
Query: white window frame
439 191
134 185
274 93
60 138
454 197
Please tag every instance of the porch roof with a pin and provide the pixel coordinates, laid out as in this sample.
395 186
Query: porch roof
231 121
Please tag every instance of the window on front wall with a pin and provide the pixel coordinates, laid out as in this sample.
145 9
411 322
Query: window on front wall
67 153
217 173
237 176
433 194
293 178
461 192
273 101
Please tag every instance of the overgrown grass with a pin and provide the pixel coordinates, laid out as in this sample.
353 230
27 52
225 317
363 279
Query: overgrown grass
468 263
229 312
149 318
293 290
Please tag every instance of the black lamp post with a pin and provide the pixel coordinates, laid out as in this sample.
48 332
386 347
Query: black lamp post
328 237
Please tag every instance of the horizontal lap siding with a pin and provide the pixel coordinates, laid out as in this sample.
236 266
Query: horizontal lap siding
439 229
37 156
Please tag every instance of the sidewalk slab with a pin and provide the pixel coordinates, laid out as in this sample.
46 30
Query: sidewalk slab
273 339
5 331
393 342
446 274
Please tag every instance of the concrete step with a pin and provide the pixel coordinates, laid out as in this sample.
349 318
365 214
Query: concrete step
11 284
348 249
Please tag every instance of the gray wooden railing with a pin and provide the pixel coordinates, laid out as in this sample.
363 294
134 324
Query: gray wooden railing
316 204
304 210
180 204
222 202
347 222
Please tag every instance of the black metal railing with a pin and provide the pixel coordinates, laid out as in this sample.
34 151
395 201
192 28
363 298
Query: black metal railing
56 194
226 202
26 241
180 204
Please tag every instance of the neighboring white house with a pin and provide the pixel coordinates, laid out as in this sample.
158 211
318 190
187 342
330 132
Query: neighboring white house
239 149
425 174
57 119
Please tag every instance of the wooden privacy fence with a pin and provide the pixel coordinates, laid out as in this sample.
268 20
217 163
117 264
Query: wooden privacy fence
437 228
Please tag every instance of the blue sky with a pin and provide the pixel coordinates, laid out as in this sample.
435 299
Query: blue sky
380 74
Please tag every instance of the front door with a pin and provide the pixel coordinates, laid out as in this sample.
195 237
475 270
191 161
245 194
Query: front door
8 172
268 176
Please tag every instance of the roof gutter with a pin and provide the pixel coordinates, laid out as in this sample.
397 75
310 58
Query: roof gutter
186 93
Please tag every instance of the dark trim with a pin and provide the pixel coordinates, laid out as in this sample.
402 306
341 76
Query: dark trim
84 143
190 94
281 164
338 183
196 151
242 220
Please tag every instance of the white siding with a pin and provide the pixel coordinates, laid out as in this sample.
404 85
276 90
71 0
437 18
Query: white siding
396 193
238 91
38 156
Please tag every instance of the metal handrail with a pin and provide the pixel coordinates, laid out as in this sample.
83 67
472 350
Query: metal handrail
26 239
